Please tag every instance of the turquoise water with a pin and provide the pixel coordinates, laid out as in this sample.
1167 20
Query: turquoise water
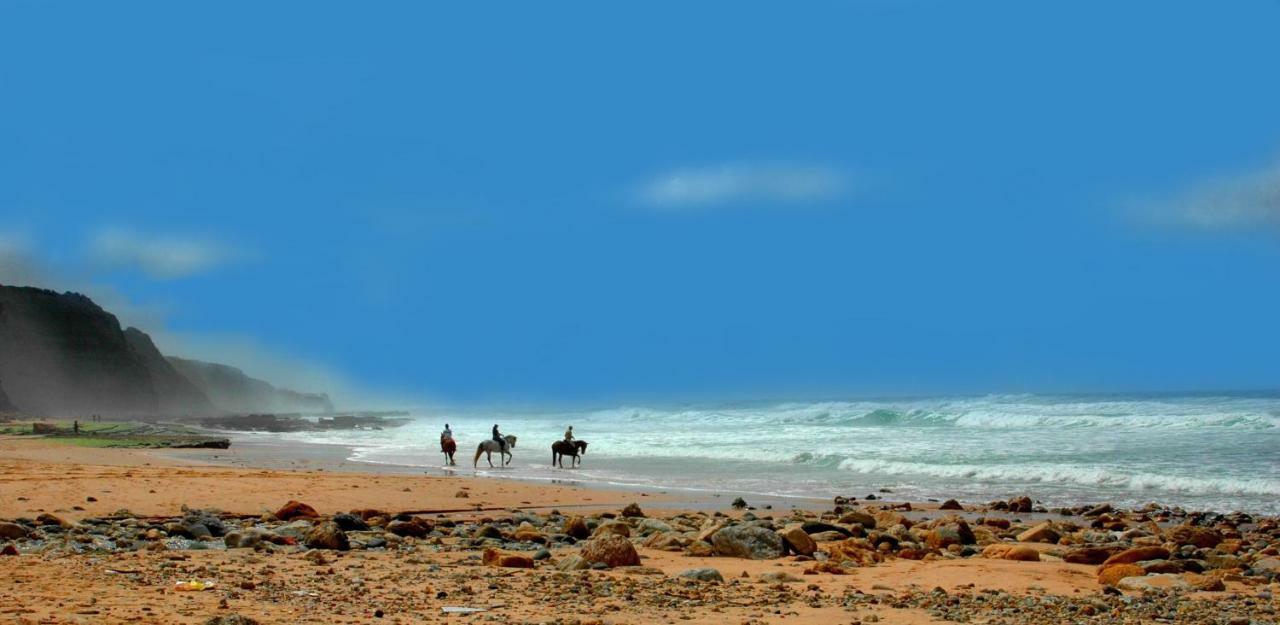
1216 452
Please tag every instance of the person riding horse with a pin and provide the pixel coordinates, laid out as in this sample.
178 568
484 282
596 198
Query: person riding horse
497 436
568 435
447 445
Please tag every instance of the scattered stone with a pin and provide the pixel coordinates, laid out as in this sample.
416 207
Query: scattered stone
12 531
1044 532
951 504
327 535
296 510
703 575
748 541
612 550
632 510
493 557
798 541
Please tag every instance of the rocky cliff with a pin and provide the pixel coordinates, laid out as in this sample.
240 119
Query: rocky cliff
230 389
61 354
5 406
175 394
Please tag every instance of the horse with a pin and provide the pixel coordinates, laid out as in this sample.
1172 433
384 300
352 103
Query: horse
560 449
488 446
448 446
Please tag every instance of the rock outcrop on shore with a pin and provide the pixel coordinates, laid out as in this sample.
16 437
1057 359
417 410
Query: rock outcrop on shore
62 354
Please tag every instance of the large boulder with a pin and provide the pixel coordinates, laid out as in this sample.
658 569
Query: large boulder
748 541
858 517
798 541
327 535
611 550
296 510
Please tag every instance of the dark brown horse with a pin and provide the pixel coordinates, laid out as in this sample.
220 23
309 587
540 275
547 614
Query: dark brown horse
573 449
448 446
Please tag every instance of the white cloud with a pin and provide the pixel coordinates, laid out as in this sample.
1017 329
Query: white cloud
703 187
162 257
1237 201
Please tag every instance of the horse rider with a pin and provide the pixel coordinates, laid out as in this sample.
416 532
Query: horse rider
568 435
497 436
446 434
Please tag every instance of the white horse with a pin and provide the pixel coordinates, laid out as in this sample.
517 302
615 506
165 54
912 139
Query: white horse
489 446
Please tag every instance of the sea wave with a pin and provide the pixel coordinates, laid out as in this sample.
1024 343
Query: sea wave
1069 475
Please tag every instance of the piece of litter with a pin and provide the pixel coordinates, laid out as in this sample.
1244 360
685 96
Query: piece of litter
457 609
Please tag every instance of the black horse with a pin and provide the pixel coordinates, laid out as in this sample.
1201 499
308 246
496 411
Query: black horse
560 449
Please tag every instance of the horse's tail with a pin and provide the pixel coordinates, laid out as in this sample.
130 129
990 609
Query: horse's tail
479 450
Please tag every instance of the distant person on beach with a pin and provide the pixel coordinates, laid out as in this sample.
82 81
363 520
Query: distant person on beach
568 435
497 436
446 434
75 427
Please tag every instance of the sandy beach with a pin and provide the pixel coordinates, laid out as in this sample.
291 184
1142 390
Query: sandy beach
103 536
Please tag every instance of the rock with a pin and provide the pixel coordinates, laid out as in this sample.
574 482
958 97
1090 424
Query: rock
245 539
327 535
699 549
416 528
703 575
818 527
859 517
1154 582
1271 565
1110 576
995 522
951 504
493 557
950 530
1205 583
612 550
9 550
1099 510
739 503
798 541
779 577
826 537
12 531
614 528
232 619
706 534
350 522
572 563
526 532
542 554
1161 566
576 527
1044 532
748 541
1088 555
213 525
296 530
1021 553
1201 537
488 531
650 526
47 519
1137 554
296 510
632 510
665 541
1020 504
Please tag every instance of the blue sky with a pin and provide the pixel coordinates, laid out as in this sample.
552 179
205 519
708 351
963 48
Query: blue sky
586 201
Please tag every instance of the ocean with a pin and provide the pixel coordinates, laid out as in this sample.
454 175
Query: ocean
1219 452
